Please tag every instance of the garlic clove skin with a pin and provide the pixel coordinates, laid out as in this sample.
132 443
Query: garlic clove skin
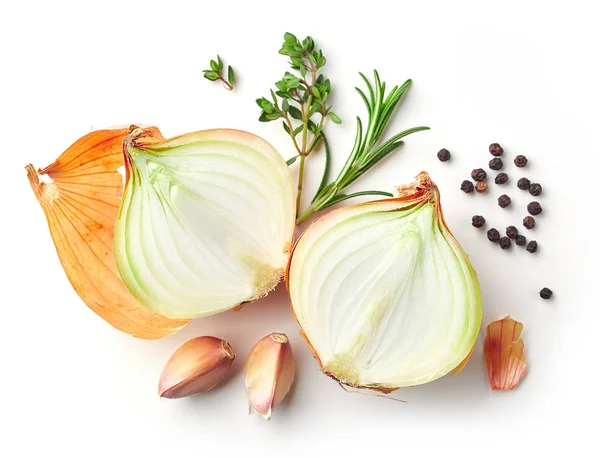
269 373
198 365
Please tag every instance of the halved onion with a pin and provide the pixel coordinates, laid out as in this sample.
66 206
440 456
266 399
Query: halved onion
206 222
81 205
384 294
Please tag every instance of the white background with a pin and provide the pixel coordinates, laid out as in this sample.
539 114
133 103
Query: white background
521 73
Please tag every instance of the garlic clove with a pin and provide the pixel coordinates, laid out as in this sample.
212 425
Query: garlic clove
269 373
198 365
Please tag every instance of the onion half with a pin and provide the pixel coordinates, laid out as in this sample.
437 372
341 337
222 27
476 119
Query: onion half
206 222
384 294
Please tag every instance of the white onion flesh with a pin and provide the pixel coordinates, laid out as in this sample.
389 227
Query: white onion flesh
206 222
384 293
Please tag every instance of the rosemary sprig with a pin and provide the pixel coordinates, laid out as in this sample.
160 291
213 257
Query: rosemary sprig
216 73
367 150
300 101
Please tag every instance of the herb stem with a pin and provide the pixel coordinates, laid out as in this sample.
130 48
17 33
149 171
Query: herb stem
367 150
226 83
305 214
289 124
304 153
300 180
303 97
316 138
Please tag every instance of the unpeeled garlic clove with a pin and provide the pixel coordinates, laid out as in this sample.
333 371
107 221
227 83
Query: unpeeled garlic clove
269 372
198 365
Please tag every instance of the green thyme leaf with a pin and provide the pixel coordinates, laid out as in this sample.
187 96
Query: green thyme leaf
334 117
295 113
303 95
291 160
210 75
216 73
290 38
230 75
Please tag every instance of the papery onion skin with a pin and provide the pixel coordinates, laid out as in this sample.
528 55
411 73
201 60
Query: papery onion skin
419 198
464 362
206 223
81 205
503 349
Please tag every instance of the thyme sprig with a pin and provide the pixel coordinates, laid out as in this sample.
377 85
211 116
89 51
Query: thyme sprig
216 73
367 150
300 101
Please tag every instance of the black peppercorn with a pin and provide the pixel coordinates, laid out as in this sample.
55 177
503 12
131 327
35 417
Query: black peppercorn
505 243
523 184
546 293
529 222
512 231
520 240
478 221
501 178
478 174
534 208
444 155
520 161
504 201
481 186
496 163
493 235
496 149
535 189
532 246
467 186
